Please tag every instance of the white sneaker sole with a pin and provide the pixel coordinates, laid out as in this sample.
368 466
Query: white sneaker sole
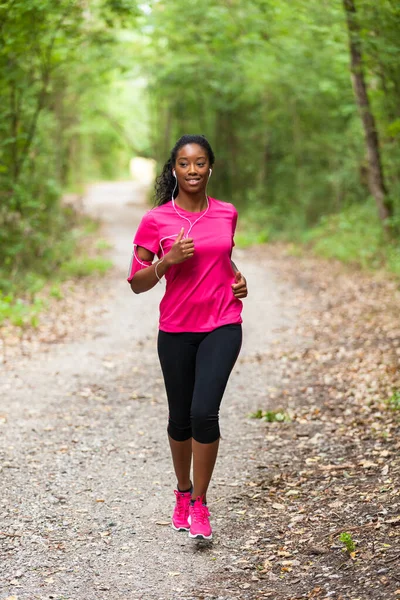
179 528
200 536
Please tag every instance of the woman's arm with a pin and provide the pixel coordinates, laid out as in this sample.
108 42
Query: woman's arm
234 267
146 279
239 288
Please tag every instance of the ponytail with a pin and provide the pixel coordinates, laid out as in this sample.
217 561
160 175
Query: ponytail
165 184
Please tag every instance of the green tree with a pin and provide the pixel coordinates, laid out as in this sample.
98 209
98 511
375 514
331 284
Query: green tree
268 81
58 62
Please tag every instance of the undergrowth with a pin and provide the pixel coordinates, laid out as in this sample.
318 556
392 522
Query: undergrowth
347 539
394 401
24 289
353 236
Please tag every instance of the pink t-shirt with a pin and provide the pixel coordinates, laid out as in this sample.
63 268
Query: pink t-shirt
198 295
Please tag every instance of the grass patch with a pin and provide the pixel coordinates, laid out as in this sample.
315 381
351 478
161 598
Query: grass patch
56 292
355 236
394 401
20 313
248 237
103 245
270 416
347 540
82 266
89 226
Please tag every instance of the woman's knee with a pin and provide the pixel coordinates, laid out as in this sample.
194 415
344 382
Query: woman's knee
180 432
205 427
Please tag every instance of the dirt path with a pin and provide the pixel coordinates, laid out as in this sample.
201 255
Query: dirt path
86 477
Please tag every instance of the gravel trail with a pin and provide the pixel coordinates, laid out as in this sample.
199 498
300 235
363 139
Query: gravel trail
86 475
86 478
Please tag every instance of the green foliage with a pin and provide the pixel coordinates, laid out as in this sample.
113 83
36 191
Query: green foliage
270 416
55 292
246 238
103 245
89 225
347 540
355 236
22 307
61 65
18 312
394 401
84 86
84 265
23 289
242 88
269 84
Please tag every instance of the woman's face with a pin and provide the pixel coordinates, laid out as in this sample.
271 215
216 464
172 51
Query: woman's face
192 168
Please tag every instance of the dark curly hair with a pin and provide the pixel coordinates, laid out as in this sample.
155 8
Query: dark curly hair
165 183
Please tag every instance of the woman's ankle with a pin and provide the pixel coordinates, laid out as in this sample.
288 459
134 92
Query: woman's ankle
185 487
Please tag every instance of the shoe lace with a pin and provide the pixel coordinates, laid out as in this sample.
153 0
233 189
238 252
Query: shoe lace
181 504
200 512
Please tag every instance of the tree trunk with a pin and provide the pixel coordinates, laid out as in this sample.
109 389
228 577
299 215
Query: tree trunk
376 181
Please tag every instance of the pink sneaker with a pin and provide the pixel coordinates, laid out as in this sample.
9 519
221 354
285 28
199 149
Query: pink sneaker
181 511
200 527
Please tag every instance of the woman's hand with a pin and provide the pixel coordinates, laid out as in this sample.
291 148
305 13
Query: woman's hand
181 250
239 288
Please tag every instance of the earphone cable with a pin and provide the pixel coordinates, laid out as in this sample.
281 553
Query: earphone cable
191 225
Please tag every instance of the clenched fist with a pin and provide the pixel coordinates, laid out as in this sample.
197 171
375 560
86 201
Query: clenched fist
181 250
239 288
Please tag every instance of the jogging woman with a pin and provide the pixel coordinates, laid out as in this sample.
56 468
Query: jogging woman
200 315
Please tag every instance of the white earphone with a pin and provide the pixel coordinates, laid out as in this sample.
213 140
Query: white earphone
191 225
174 173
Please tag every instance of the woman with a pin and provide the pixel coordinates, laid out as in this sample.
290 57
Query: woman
200 315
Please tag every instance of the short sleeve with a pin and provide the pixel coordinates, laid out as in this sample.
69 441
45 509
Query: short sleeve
234 222
136 265
147 234
147 237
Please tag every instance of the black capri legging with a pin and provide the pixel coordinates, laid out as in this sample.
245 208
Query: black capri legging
196 368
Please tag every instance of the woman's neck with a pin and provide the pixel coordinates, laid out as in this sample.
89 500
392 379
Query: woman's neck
192 202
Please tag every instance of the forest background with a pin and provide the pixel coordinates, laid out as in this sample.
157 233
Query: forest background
300 100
